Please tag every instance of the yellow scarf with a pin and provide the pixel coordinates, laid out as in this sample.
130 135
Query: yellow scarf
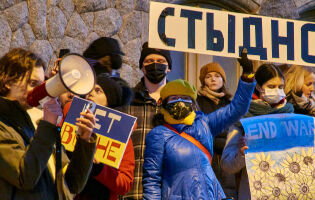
189 120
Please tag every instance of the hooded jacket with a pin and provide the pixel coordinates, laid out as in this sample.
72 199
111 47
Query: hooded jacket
174 168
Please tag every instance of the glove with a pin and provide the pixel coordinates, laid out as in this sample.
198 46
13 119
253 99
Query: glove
245 62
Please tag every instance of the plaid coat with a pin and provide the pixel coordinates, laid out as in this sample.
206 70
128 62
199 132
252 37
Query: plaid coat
144 108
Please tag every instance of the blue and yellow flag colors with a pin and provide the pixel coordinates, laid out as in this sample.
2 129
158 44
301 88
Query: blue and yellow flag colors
280 160
113 129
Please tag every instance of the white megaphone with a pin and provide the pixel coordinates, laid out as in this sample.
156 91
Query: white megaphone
75 75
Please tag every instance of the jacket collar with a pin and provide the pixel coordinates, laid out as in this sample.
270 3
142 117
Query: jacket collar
142 94
12 114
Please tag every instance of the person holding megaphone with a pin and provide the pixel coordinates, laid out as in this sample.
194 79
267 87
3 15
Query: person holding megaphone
26 155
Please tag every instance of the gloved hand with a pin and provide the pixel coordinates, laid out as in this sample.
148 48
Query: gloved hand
245 62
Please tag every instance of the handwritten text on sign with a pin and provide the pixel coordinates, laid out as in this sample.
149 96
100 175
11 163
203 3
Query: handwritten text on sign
113 130
221 33
282 131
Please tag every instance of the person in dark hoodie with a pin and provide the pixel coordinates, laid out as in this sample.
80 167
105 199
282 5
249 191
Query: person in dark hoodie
105 182
105 55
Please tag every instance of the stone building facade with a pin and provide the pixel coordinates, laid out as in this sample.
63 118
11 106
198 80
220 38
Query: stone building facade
46 26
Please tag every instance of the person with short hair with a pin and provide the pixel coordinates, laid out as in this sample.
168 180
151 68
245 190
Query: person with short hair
299 88
26 155
155 64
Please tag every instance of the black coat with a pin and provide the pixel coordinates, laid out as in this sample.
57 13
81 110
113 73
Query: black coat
207 106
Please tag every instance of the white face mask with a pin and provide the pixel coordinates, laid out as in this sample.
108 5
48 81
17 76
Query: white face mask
274 95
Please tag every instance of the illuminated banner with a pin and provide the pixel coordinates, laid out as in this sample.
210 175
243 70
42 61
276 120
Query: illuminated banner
113 130
280 161
221 33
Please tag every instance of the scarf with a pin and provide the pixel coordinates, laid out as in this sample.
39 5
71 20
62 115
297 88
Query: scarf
214 96
259 107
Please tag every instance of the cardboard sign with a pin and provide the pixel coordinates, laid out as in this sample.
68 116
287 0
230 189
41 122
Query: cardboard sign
113 129
280 160
221 33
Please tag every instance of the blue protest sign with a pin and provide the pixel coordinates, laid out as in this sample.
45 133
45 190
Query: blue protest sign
280 161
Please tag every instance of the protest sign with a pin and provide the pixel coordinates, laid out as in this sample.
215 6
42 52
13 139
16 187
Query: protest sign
280 160
221 33
113 129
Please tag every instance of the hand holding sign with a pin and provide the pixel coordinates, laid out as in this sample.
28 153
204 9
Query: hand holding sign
86 125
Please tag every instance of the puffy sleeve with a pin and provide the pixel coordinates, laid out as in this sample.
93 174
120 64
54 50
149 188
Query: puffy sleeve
153 165
230 114
232 160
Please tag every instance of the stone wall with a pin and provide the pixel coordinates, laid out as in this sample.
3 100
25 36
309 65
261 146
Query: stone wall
45 26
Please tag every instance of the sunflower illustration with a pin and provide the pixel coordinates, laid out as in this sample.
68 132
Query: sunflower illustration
257 185
280 175
304 188
289 194
275 189
308 157
293 165
262 164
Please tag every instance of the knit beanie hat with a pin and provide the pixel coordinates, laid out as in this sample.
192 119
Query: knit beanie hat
178 87
112 90
211 67
147 51
101 47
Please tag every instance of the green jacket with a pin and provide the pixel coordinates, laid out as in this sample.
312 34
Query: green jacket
23 164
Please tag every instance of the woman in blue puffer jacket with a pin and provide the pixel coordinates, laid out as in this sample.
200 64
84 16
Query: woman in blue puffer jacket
174 167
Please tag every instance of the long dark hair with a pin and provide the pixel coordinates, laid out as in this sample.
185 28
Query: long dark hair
266 72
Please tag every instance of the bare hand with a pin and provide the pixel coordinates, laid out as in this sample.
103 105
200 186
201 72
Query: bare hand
242 145
52 110
86 125
55 68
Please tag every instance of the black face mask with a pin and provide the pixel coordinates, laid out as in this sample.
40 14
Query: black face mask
116 61
155 72
179 109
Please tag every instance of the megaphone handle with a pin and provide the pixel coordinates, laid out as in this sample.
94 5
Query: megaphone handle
44 100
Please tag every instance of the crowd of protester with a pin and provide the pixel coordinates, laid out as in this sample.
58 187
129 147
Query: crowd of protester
188 143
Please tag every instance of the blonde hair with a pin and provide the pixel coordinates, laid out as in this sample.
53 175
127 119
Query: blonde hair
294 78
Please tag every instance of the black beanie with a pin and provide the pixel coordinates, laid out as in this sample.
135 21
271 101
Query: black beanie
101 47
147 51
112 90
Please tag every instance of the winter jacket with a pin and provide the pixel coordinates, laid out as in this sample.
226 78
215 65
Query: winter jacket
107 182
24 156
174 168
144 108
301 104
226 180
232 160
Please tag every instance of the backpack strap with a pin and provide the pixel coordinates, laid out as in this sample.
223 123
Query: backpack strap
192 140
